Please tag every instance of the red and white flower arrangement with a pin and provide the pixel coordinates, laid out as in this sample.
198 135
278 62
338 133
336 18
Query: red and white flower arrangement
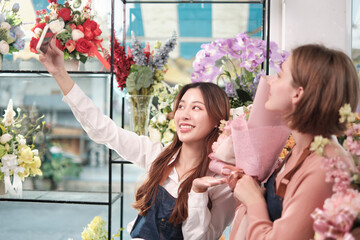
78 35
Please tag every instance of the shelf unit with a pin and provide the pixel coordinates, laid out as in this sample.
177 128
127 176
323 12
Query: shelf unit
110 197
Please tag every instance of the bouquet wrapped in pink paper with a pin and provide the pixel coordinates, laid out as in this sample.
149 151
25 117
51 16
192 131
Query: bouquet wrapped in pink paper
254 145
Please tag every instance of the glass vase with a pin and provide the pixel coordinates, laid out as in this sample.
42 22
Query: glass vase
139 112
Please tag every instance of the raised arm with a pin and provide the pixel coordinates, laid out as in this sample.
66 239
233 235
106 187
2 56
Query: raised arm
53 61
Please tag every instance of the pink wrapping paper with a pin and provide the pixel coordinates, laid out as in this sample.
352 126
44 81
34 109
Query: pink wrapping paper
255 145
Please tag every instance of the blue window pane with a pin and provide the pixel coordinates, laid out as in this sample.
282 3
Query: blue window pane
195 20
255 20
136 21
188 50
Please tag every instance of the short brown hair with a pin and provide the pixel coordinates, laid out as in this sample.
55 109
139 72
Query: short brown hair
329 80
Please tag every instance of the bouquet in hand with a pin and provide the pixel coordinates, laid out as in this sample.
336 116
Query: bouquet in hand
254 145
78 35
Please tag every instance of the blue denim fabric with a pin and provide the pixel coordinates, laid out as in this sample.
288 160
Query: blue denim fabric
273 201
154 225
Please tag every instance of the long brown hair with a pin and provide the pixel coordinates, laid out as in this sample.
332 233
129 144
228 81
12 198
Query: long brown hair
218 108
329 80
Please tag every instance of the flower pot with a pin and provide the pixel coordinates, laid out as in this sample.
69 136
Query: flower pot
72 65
139 112
2 187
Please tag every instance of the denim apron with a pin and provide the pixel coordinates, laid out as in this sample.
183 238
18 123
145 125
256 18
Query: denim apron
274 197
154 225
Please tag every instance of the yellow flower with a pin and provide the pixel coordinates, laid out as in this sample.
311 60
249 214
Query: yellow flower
172 125
86 235
346 115
318 144
26 155
95 222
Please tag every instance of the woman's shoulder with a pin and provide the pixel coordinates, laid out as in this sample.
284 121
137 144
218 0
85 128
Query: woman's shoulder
334 152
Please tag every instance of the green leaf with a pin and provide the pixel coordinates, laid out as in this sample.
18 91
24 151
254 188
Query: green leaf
83 58
139 77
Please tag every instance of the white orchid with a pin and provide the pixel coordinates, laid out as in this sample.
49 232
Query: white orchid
9 112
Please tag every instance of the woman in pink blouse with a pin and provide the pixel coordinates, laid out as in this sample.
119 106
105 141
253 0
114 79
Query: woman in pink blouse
313 84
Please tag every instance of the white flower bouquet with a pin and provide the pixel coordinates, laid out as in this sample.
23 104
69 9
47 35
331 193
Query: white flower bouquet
18 159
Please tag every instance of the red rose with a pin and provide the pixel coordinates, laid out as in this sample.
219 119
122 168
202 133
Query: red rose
81 28
70 45
52 1
72 26
83 46
33 43
39 25
59 45
64 13
37 12
89 25
43 11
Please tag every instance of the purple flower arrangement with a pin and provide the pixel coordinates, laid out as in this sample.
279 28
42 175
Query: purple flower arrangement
236 65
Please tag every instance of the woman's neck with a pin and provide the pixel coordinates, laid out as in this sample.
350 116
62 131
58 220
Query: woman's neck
189 158
302 141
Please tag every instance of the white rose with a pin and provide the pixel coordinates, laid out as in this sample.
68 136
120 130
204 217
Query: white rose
21 140
19 32
77 34
38 32
154 134
168 136
162 118
56 26
5 25
5 138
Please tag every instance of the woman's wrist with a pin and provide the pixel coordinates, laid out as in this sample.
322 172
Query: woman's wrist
64 81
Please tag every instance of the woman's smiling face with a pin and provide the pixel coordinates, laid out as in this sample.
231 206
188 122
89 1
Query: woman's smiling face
192 120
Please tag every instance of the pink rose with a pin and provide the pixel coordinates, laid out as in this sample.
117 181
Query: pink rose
70 45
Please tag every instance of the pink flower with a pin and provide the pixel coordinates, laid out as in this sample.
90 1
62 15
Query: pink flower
339 213
70 45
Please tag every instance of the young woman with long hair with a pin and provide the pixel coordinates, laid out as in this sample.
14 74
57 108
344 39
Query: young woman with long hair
180 197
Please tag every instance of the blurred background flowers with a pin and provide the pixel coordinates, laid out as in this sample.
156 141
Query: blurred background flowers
236 64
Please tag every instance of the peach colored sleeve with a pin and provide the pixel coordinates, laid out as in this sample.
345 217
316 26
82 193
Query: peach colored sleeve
307 192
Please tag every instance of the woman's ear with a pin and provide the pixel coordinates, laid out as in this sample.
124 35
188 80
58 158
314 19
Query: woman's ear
298 93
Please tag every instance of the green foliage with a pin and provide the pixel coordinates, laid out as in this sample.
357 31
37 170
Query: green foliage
139 77
56 166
